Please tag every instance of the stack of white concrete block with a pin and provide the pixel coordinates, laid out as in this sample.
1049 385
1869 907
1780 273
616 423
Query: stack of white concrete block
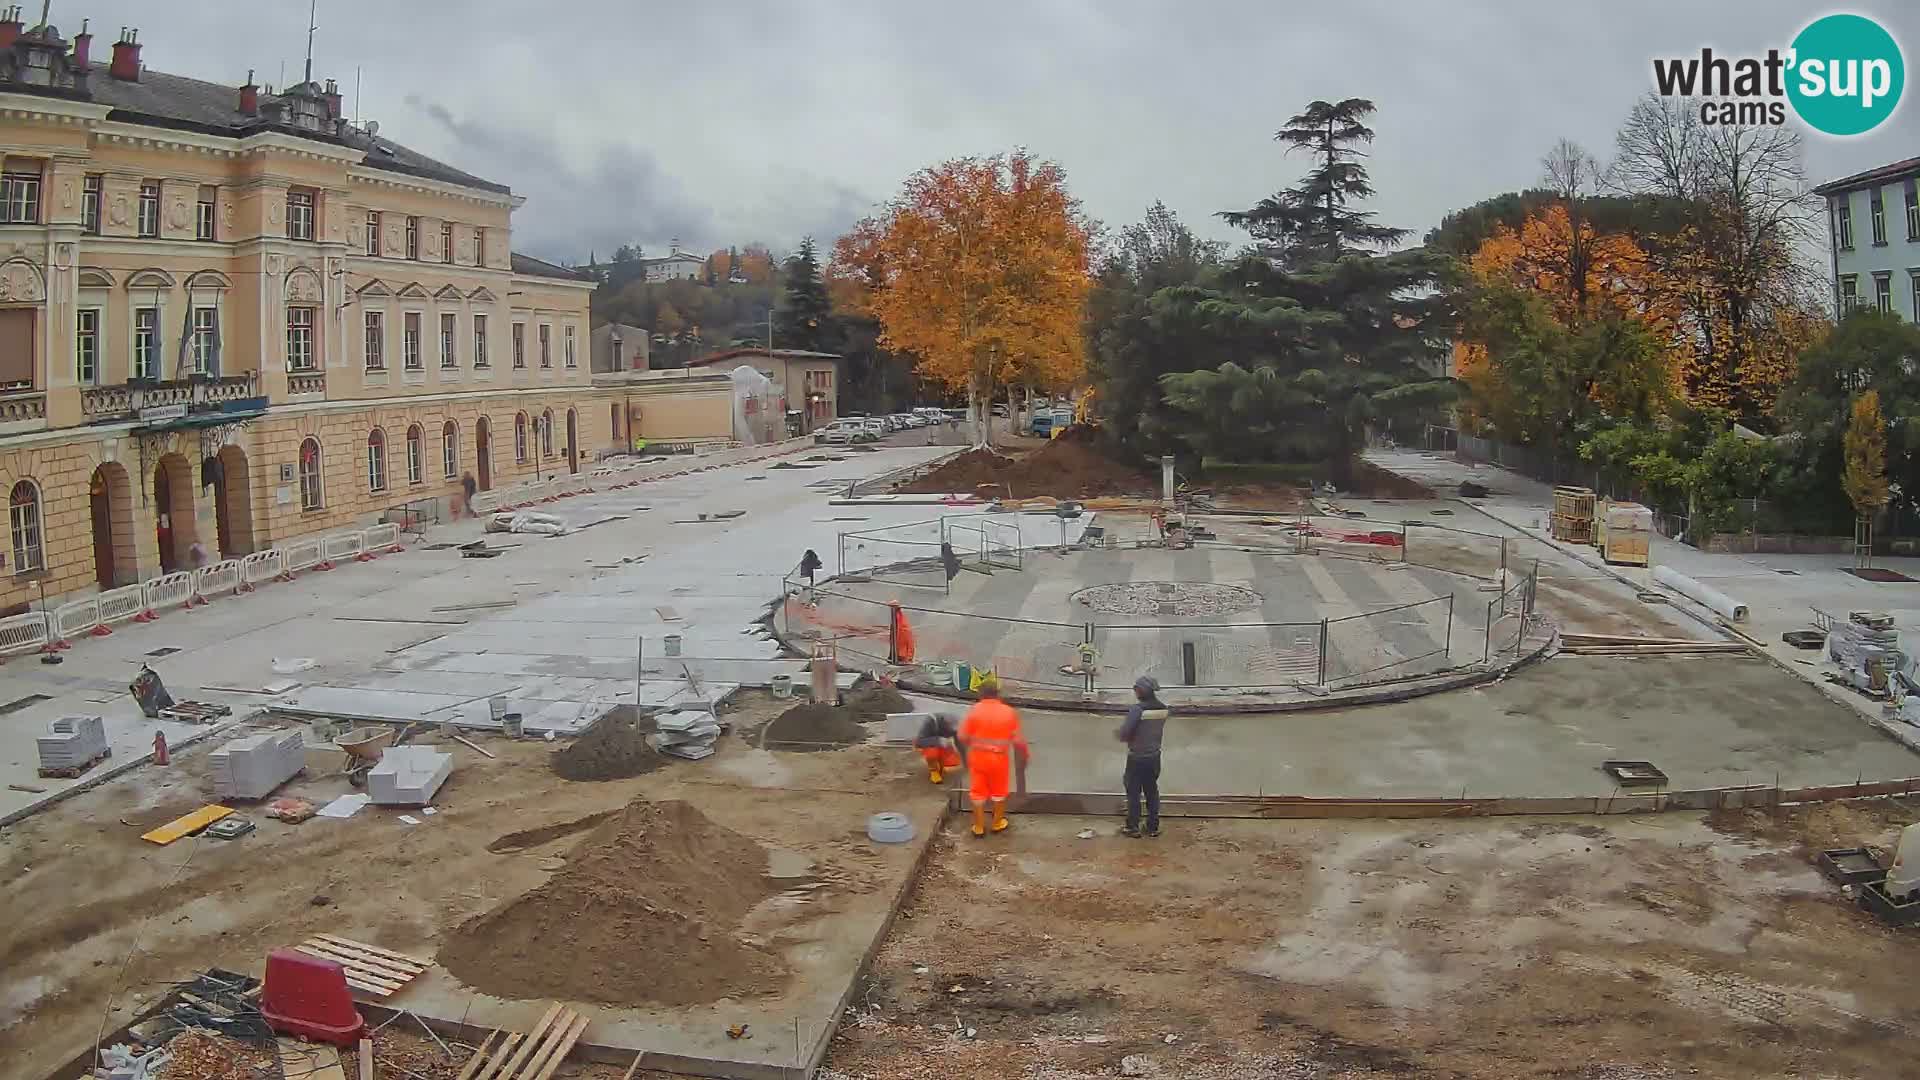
408 775
71 742
685 733
252 767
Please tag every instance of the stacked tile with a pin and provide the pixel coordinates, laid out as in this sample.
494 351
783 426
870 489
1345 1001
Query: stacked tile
72 742
252 767
408 775
685 733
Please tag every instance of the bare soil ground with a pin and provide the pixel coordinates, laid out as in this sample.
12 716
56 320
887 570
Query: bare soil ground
1600 950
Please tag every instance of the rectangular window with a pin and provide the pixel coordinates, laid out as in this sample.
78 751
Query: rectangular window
299 214
206 335
1883 291
410 341
1913 211
480 245
449 356
1843 223
413 238
20 198
203 215
146 343
571 360
446 242
449 451
373 233
520 345
479 341
149 209
1878 211
1914 286
416 468
90 204
1849 292
86 345
299 339
546 345
376 342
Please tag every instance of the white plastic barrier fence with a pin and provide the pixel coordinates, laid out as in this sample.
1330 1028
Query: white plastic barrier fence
222 577
382 537
175 588
486 502
72 620
341 546
303 554
23 633
261 566
119 605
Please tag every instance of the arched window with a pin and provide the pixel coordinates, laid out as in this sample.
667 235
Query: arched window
546 433
450 449
416 455
376 460
520 438
311 490
23 517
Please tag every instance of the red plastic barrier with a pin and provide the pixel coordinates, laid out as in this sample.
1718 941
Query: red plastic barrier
307 996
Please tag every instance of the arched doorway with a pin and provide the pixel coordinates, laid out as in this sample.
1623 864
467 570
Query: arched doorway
573 443
111 495
483 455
233 503
174 526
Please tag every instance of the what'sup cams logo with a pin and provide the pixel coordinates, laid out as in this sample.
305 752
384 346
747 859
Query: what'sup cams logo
1842 75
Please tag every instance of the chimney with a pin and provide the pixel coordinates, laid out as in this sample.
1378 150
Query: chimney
250 96
126 56
9 26
82 47
333 100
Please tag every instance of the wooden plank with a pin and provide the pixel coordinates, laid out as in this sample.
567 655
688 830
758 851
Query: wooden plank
376 950
474 746
479 1056
366 1059
549 1040
560 1052
354 972
387 968
370 991
527 1044
185 824
491 1070
628 1075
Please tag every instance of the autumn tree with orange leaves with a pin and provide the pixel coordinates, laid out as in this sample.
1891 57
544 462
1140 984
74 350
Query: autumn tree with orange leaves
979 269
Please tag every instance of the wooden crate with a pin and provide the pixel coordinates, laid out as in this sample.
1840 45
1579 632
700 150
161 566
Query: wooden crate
1573 502
1572 530
1625 533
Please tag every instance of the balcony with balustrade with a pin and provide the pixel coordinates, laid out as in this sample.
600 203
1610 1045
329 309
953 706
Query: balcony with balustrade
146 399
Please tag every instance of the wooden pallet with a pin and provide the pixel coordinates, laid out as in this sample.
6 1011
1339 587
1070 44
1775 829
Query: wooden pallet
533 1056
76 770
371 970
195 712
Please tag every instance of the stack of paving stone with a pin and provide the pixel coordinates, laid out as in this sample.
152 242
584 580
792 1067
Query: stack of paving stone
408 775
251 767
72 743
685 733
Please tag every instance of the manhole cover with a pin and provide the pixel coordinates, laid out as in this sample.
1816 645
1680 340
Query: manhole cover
1176 598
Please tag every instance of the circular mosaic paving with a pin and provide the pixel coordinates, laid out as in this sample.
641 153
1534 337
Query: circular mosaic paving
1177 598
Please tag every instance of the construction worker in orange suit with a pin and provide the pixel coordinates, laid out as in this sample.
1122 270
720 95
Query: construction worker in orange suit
901 635
936 746
991 737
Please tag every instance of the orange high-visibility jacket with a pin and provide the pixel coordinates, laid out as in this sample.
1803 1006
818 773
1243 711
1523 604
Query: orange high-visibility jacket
992 727
902 637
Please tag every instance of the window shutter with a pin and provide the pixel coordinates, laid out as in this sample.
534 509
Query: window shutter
16 347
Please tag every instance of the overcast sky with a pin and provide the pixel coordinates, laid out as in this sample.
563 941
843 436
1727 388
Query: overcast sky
761 120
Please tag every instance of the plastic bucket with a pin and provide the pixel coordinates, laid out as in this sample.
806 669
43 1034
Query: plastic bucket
782 686
496 708
962 676
510 725
673 645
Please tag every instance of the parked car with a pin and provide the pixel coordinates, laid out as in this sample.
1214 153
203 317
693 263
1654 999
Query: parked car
845 430
876 427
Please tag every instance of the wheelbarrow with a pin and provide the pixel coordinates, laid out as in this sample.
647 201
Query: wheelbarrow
363 747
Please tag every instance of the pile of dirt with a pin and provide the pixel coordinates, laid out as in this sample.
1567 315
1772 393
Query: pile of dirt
1374 482
812 727
1073 466
614 748
647 910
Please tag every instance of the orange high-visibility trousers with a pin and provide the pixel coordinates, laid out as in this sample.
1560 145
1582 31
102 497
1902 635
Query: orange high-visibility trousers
902 638
941 757
988 775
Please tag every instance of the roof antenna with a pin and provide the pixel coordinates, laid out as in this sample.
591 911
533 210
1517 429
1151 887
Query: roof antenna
356 95
312 6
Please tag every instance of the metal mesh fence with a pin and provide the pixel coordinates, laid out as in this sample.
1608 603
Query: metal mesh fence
1217 655
1412 639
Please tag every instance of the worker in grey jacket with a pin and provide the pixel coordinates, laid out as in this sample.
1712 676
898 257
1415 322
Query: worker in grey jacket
1145 723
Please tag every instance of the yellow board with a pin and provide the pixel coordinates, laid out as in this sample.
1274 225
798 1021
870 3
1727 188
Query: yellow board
190 823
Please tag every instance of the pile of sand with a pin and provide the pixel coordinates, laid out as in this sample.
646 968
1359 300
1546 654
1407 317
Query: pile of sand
829 727
647 910
1073 466
614 748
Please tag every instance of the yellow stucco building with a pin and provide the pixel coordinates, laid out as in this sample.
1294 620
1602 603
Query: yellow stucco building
228 317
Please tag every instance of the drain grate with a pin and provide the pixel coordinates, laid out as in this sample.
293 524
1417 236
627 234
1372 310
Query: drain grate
1788 573
20 703
167 650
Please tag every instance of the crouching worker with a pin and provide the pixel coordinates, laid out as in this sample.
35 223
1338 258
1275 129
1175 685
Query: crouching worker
991 735
936 744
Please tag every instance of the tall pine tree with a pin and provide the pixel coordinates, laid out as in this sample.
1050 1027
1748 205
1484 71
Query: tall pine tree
1328 334
805 316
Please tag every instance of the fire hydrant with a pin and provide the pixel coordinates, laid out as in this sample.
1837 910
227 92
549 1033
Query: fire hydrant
160 755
